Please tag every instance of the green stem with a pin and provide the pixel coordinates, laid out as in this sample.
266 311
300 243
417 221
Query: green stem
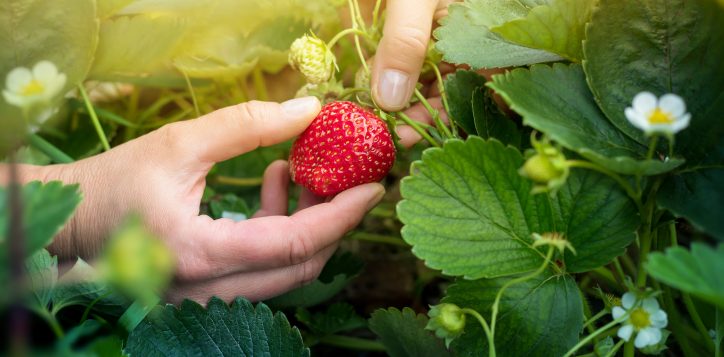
441 127
237 181
645 234
671 146
349 91
615 348
676 323
49 149
698 323
343 33
443 95
193 94
52 321
593 319
652 146
590 337
377 238
499 295
619 269
352 343
719 332
623 183
94 118
259 84
355 26
376 13
628 349
418 129
486 328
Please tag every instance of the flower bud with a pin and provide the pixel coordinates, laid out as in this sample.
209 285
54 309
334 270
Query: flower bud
547 168
447 321
310 56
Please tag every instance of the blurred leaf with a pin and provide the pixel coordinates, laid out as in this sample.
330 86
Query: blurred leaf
539 317
491 122
403 334
337 273
468 212
660 46
699 271
108 8
64 32
697 195
604 347
557 27
82 285
339 317
556 100
459 87
228 203
218 330
42 270
465 36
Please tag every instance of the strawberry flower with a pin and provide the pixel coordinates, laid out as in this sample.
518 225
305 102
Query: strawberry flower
26 88
643 316
664 115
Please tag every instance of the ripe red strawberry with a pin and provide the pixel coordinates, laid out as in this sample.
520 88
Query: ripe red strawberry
345 146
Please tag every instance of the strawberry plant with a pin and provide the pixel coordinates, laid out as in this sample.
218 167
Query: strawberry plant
564 198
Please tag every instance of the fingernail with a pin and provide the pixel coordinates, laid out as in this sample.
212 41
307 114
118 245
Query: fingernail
301 106
376 199
393 89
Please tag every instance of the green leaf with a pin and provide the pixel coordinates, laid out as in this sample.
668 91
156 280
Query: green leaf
403 334
660 46
698 197
539 317
339 317
557 27
699 271
228 203
82 285
218 330
490 121
459 88
556 100
465 37
46 209
337 273
468 212
42 269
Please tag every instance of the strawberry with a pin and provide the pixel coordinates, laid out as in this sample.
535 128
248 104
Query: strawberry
344 146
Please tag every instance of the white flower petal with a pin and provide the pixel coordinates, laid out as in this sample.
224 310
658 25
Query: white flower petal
645 102
18 78
14 99
55 86
672 104
617 312
681 123
45 71
655 335
644 338
636 119
628 300
650 305
625 332
659 319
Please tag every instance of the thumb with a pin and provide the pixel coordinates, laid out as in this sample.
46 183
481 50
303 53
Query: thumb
401 51
234 130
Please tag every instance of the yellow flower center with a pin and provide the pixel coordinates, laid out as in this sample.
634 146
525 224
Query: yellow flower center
660 117
32 88
640 318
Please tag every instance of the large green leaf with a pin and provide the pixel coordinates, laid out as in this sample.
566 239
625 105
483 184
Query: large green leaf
403 334
83 285
699 271
540 317
491 122
465 37
42 269
556 100
660 46
557 27
697 196
339 317
64 32
218 330
459 87
468 212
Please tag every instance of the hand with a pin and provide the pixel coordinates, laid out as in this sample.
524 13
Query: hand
161 176
402 49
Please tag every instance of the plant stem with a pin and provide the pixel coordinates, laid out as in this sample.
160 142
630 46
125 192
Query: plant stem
623 183
676 323
590 337
619 269
645 234
418 129
343 33
486 328
354 343
698 323
355 26
652 146
615 348
443 95
628 348
49 149
441 127
499 295
376 13
377 238
259 84
237 181
94 118
593 319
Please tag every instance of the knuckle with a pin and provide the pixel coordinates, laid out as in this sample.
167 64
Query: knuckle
309 271
300 245
409 40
